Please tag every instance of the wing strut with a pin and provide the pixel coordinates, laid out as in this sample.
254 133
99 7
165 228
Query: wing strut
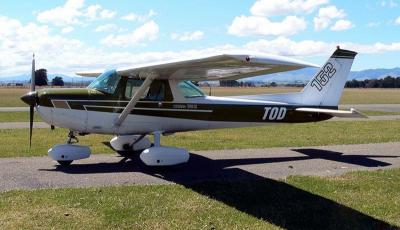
132 103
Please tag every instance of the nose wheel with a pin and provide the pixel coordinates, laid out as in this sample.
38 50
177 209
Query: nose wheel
64 163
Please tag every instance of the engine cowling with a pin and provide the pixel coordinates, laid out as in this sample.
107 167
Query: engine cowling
122 143
68 152
164 156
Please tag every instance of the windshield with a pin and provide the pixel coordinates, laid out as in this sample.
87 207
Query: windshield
188 89
107 82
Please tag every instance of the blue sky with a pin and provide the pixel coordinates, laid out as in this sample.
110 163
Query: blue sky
76 35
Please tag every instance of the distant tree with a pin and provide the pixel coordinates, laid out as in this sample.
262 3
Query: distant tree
229 83
57 81
273 84
41 77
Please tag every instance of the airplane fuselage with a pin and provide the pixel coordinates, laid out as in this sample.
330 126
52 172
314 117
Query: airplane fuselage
90 111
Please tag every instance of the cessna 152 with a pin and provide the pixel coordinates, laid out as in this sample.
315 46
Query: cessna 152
160 99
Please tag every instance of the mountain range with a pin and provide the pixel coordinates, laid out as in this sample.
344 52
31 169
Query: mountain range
302 75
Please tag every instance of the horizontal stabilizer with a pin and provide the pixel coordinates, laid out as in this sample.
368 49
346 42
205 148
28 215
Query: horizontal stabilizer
352 113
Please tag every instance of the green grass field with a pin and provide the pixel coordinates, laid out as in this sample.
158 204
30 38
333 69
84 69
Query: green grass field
358 200
312 134
17 117
10 97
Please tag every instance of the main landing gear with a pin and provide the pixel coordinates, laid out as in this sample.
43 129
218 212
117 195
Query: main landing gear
152 154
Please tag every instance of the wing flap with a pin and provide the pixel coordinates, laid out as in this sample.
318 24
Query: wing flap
352 113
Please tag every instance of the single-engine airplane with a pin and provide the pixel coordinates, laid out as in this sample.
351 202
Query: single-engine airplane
160 99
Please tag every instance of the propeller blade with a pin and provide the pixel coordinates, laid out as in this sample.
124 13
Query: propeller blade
33 81
31 115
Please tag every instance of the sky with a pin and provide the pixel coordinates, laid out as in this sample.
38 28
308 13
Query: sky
81 35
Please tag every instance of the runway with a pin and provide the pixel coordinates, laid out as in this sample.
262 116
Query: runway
276 163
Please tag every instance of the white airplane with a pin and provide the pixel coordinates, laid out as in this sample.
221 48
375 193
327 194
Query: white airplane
159 99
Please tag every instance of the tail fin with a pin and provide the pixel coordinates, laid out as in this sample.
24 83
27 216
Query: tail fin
326 87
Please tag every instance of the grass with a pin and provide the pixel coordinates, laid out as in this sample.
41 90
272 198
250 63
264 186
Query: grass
312 134
378 113
10 97
17 117
299 202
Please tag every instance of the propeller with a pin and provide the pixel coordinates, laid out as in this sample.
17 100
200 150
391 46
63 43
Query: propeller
31 99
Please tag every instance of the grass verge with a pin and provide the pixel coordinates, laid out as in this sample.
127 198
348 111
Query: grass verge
358 200
17 117
311 134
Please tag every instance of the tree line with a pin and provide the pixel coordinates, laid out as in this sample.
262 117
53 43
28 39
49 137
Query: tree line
41 79
387 82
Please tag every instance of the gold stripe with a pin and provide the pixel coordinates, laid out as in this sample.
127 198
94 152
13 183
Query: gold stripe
60 104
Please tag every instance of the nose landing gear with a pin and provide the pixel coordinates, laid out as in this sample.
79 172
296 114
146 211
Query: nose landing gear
64 154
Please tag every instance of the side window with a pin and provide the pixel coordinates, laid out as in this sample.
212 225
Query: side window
132 85
159 90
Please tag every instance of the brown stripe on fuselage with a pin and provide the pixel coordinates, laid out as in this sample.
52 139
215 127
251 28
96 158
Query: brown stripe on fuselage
61 104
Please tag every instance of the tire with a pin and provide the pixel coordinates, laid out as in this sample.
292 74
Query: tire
64 163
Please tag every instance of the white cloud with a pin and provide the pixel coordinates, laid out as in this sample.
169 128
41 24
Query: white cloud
106 28
63 55
188 36
286 47
67 29
397 21
95 12
389 3
283 7
62 15
326 16
254 25
373 24
147 32
73 12
138 17
342 25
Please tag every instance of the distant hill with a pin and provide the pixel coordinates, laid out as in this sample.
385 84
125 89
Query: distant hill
303 75
23 78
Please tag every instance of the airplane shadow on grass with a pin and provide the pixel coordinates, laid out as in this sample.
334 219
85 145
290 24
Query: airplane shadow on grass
274 201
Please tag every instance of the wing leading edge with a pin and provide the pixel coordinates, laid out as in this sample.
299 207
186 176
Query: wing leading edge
219 67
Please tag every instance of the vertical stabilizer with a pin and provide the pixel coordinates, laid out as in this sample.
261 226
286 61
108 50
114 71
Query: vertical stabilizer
326 87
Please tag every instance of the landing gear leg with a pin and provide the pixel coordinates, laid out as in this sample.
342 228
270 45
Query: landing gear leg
72 139
157 139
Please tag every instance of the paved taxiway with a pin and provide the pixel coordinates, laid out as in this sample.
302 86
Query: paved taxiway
105 170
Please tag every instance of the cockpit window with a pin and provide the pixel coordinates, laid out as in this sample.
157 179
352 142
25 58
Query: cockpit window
189 90
107 82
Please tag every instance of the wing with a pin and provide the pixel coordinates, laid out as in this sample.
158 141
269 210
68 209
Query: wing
219 67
